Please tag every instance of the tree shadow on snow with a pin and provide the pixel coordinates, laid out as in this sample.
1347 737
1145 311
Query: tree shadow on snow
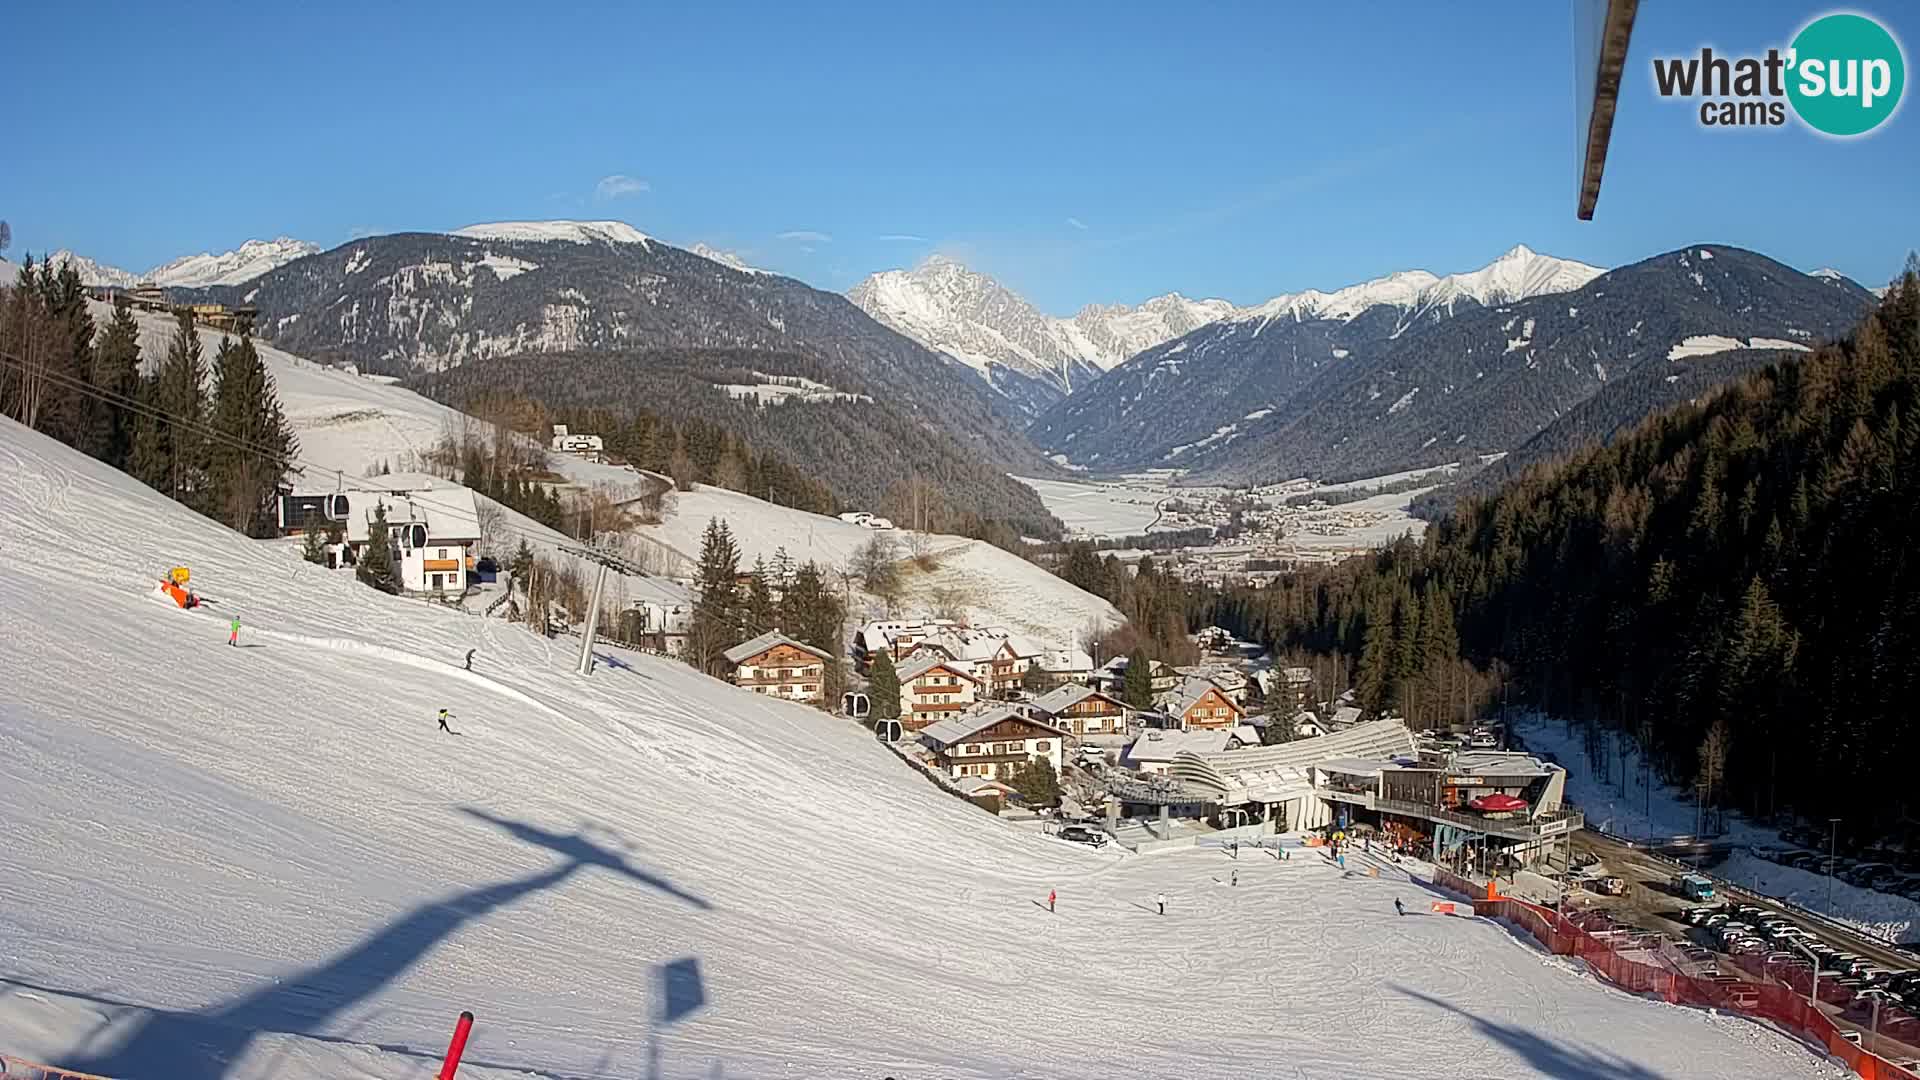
1562 1061
207 1042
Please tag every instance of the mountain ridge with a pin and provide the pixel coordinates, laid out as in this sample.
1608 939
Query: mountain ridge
1334 385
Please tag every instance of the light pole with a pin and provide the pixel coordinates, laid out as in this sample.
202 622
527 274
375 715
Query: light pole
1833 847
1813 991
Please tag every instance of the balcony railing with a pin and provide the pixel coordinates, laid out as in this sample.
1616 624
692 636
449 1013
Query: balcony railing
1549 823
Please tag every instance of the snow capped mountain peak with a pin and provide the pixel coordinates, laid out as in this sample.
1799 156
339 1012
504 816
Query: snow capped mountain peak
93 273
249 261
1829 273
725 258
1519 273
574 232
1019 349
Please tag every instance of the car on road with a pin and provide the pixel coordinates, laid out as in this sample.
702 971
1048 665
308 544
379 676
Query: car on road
1083 834
1610 886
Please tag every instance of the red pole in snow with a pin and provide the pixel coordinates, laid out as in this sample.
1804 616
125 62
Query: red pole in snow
457 1047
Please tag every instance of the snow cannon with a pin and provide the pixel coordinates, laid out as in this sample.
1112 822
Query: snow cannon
174 585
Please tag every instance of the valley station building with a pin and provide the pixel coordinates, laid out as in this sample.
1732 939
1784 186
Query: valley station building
1477 809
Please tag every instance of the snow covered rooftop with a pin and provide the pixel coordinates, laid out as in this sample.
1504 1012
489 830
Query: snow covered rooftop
753 647
959 728
917 666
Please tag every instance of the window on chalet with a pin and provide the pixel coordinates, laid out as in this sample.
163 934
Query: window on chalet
1041 746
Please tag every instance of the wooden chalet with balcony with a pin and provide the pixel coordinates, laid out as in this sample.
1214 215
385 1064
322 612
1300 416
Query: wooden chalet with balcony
778 666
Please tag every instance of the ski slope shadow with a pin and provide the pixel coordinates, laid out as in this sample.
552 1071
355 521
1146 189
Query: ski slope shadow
1564 1062
204 1044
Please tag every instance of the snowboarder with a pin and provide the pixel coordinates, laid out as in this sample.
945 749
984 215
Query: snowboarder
1160 899
470 653
233 632
1399 907
444 717
1050 900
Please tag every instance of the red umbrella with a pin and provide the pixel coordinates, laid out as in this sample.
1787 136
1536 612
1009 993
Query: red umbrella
1498 803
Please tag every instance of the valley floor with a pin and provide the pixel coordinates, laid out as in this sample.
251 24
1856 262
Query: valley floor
266 861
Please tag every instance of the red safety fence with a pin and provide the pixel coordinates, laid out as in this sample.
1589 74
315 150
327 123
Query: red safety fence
1643 965
13 1068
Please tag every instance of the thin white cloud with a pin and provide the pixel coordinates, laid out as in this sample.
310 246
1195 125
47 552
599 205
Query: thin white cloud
905 238
1077 223
361 232
806 236
619 186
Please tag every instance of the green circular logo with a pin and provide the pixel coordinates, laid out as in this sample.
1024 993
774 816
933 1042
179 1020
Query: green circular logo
1847 74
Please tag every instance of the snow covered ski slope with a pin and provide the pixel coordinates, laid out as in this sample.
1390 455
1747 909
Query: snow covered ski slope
266 861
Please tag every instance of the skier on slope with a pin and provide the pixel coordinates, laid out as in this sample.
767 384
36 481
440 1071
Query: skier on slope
1398 906
444 717
233 632
470 653
1161 900
1050 900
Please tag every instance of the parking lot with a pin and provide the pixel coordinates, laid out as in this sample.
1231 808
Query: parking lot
1745 939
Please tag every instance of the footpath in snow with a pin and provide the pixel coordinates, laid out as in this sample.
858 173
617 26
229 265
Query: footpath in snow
265 861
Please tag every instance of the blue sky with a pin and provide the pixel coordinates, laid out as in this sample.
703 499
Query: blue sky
1079 152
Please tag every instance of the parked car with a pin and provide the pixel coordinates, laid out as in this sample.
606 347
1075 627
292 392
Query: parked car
1610 886
1081 834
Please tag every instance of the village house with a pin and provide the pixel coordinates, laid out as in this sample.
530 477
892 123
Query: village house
1082 711
990 743
997 660
1296 687
894 637
777 665
1112 676
587 447
433 525
1062 666
932 687
1231 680
661 614
1198 705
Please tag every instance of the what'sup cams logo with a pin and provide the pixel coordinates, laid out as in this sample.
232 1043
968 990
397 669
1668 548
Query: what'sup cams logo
1842 76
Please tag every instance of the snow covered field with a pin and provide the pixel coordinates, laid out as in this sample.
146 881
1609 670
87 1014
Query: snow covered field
1096 509
997 587
1625 813
265 861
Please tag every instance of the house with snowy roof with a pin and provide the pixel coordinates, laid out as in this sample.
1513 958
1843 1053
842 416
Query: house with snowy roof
991 743
931 687
779 666
1082 711
1198 705
433 525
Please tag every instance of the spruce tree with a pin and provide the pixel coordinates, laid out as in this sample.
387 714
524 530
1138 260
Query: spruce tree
178 450
245 478
521 564
883 687
116 373
313 547
760 614
1137 686
376 566
1036 783
716 625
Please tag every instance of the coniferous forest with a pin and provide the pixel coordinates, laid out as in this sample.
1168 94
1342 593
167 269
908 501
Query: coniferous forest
1733 584
211 436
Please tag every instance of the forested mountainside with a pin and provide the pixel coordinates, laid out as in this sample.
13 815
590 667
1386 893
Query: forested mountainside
427 301
1618 407
1733 583
863 447
1403 383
